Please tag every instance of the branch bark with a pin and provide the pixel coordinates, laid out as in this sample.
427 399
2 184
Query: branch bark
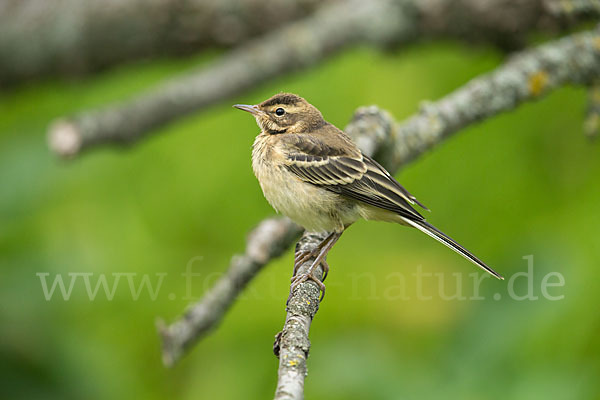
300 45
526 77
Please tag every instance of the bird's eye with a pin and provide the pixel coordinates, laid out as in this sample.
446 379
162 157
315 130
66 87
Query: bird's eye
279 112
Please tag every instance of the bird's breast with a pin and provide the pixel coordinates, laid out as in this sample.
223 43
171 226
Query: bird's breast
314 208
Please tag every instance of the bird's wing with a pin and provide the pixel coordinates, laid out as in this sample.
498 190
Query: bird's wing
338 166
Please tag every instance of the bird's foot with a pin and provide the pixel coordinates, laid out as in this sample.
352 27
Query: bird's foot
320 252
302 256
309 275
297 280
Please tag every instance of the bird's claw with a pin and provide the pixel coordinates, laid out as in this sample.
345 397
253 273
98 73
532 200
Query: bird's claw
301 257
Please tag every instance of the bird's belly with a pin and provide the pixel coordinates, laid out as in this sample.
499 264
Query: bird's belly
312 207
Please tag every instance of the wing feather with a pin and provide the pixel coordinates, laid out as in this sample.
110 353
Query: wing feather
351 174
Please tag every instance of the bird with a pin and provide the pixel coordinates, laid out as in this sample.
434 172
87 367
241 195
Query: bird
313 173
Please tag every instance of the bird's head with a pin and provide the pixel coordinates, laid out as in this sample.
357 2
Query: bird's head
285 113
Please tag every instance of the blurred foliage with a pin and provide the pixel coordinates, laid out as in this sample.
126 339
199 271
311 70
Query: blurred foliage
524 183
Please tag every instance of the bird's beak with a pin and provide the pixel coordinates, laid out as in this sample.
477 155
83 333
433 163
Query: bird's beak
251 109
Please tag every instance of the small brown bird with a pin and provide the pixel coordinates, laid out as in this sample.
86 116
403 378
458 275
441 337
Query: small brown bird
312 172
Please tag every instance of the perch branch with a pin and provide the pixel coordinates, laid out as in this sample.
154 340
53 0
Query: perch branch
292 344
304 43
526 77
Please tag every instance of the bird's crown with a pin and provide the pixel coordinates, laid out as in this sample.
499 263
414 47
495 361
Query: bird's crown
284 99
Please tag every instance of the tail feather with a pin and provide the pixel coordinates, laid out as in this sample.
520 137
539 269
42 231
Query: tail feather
441 237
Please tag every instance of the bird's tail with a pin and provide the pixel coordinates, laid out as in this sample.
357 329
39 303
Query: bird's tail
441 237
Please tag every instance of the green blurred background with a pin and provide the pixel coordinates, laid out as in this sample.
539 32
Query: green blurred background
523 183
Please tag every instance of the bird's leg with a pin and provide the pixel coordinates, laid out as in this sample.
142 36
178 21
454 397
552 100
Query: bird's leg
323 248
302 256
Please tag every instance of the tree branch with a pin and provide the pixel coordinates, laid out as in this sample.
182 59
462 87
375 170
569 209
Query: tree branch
526 77
74 37
297 45
305 43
